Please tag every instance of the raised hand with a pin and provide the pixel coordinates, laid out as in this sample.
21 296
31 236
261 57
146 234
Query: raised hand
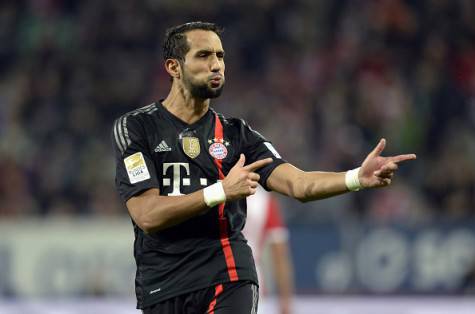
378 171
241 180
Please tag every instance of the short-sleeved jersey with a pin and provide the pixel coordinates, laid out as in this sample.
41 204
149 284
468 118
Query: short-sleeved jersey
155 149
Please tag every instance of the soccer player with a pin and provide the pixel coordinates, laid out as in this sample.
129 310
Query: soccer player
265 228
184 172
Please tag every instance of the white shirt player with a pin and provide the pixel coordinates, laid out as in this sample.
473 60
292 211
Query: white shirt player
264 225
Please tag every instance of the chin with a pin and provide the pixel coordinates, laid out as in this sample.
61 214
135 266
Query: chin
214 92
217 92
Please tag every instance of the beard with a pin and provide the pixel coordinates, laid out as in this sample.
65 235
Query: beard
202 90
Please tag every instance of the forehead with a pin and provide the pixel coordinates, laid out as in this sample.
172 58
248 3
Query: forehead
203 40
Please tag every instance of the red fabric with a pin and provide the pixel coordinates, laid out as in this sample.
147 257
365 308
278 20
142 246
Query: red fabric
218 290
223 222
273 218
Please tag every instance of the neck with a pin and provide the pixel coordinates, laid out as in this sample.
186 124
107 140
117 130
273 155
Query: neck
185 107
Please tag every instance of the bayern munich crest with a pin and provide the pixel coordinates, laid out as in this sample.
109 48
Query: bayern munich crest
218 149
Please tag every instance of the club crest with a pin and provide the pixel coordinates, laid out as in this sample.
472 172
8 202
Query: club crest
218 148
191 146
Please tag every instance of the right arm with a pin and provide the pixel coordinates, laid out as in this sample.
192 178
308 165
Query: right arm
153 212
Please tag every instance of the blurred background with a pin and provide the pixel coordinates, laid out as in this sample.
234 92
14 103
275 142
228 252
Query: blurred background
323 80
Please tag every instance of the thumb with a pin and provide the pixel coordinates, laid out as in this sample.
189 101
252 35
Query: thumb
379 148
241 161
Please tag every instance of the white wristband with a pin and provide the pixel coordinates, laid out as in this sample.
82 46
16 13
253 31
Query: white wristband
214 194
352 181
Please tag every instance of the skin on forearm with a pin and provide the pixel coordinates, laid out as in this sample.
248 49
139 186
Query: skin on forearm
153 212
306 186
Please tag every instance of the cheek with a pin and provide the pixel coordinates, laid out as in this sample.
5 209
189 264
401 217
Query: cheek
195 67
197 73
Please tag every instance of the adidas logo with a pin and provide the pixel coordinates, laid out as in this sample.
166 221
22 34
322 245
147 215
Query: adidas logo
162 147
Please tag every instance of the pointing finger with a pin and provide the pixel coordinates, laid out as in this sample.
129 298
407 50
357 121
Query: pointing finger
258 164
401 158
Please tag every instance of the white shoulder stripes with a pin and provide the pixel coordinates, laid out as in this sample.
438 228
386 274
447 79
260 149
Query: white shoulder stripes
121 133
145 109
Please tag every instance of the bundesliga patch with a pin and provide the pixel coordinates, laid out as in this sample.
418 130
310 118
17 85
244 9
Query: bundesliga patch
136 168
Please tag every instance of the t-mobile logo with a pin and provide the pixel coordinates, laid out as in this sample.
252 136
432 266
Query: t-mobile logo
178 181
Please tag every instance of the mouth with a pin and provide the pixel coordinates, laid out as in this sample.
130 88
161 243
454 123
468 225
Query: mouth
216 81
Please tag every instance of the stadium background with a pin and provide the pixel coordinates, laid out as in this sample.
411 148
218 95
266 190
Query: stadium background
323 80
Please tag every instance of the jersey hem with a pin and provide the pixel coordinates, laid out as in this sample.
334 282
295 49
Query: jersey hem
198 287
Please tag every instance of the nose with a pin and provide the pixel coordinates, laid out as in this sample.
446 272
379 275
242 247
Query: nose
216 64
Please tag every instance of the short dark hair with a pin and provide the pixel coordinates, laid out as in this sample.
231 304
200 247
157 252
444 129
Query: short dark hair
175 45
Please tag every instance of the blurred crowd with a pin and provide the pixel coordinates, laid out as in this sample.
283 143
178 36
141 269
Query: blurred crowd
323 80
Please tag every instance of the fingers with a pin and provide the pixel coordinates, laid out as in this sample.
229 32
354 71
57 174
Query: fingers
379 148
387 170
401 158
252 184
382 182
253 180
254 176
384 175
258 164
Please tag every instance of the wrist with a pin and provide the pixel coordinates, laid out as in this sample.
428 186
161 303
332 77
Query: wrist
352 180
214 194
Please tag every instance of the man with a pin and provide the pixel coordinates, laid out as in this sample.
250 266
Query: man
265 228
184 172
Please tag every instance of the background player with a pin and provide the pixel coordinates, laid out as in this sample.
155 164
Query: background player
266 229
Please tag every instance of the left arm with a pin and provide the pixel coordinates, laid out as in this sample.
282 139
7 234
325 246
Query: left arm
306 186
375 171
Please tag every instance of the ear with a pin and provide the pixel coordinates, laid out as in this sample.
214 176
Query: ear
173 67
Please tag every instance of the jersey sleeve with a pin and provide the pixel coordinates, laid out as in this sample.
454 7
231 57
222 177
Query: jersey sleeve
256 147
135 170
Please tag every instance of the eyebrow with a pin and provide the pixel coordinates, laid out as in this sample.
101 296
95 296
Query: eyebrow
208 51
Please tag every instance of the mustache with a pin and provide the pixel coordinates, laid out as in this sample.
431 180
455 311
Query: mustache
215 76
